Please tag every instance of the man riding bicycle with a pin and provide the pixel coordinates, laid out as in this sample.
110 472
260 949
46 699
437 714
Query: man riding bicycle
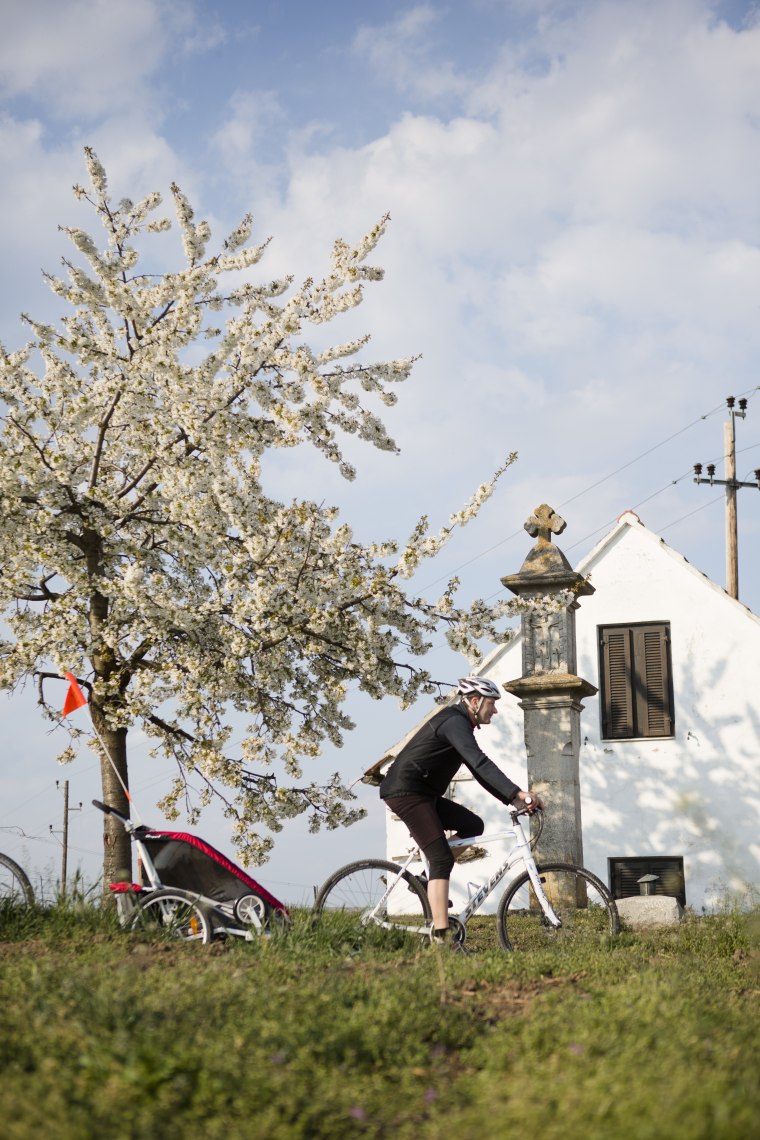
415 783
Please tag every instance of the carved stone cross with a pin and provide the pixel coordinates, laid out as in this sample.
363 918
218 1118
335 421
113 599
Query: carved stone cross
543 523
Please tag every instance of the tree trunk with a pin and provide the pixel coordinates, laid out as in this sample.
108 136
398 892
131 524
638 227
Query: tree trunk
117 846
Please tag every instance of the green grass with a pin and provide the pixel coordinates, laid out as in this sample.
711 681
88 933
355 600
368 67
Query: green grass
323 1033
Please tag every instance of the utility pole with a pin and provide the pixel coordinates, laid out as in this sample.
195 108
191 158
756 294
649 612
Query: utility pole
732 484
65 853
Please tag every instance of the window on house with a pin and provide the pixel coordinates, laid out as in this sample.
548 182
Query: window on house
636 690
625 875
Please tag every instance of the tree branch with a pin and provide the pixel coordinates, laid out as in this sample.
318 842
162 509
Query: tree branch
102 429
42 677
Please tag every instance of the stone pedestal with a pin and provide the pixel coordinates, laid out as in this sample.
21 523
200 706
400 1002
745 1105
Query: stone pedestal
642 911
549 691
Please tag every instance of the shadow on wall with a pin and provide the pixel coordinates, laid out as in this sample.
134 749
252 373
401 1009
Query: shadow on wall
696 794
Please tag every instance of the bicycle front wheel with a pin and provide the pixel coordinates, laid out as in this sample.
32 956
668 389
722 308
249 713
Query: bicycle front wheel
15 887
358 889
175 913
580 900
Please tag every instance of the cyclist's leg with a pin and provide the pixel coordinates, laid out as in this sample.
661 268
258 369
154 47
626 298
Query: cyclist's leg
456 817
441 862
420 815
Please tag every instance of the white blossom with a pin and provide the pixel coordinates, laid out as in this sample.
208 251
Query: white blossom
140 548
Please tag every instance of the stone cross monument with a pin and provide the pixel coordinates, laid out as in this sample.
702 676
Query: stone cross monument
549 691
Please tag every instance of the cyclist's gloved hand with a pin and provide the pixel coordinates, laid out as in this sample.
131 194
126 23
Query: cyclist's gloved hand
530 801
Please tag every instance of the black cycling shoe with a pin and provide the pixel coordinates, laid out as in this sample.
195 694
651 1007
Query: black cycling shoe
451 945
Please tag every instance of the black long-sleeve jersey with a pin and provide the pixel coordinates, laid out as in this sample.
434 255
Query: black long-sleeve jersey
428 763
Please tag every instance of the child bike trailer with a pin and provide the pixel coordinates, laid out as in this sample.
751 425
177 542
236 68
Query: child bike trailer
190 864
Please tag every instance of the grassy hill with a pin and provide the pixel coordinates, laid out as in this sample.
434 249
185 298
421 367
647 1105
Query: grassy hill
317 1034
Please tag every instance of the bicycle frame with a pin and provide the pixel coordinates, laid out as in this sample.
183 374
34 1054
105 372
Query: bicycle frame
521 853
520 857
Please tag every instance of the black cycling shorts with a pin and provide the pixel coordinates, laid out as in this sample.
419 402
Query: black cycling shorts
429 817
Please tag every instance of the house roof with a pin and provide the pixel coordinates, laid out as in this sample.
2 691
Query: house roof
628 521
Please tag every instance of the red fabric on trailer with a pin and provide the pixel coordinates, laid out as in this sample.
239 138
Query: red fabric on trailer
222 860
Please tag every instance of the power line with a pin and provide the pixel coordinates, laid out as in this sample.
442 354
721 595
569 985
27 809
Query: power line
750 394
643 455
635 507
709 503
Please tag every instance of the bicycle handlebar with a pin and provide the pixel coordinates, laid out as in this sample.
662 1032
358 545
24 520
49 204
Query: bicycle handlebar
524 811
537 814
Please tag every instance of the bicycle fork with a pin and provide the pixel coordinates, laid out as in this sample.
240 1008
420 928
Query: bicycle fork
530 866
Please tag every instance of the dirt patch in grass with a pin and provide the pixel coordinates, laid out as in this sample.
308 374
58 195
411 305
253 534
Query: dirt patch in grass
18 950
492 1002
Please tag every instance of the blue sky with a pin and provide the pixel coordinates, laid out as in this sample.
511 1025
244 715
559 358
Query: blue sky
575 200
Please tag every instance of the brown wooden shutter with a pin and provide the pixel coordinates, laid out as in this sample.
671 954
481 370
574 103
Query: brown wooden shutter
634 668
652 681
617 707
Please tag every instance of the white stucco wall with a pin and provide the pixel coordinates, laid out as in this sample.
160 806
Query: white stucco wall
696 795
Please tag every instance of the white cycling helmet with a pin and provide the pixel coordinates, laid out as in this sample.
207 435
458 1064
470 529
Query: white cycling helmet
478 686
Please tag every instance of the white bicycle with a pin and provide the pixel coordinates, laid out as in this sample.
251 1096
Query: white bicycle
547 901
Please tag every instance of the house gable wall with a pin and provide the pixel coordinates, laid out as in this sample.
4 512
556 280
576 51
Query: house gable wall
695 795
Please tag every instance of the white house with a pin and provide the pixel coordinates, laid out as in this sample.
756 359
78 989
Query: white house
670 745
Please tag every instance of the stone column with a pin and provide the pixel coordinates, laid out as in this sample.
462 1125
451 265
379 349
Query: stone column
549 691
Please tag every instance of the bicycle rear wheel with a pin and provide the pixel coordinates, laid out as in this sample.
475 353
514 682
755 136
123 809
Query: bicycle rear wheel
583 903
357 889
15 888
175 913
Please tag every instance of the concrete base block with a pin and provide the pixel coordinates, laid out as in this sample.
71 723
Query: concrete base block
641 911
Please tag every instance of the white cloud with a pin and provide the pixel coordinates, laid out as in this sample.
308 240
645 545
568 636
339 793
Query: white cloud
402 53
36 199
570 231
202 35
638 112
250 114
84 57
575 257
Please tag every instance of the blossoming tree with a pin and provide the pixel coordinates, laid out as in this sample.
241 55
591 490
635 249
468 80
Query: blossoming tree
141 551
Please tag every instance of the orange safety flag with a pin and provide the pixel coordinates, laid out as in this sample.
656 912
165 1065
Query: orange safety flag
75 698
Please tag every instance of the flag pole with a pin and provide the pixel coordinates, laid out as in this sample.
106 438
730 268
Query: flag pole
75 699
